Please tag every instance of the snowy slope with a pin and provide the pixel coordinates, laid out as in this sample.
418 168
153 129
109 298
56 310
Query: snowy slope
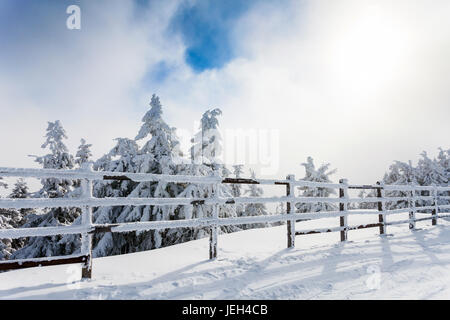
255 264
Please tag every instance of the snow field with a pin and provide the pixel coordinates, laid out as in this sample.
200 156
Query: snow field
255 264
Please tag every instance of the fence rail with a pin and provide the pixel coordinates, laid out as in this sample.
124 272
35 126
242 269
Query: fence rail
86 202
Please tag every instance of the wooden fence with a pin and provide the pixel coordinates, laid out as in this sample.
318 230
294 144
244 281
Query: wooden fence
410 193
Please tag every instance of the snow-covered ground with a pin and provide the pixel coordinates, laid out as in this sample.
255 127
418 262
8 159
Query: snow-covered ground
255 264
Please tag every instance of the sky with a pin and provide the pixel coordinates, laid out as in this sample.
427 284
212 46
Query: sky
357 84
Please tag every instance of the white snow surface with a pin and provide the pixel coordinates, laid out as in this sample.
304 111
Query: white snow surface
255 264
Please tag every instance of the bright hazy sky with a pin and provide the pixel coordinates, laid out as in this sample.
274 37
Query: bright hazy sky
354 83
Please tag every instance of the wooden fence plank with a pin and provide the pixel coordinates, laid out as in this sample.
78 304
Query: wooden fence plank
435 211
412 212
86 220
381 217
214 230
11 265
290 206
343 194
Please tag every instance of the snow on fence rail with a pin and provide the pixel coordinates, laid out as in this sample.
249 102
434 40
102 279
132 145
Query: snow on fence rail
86 202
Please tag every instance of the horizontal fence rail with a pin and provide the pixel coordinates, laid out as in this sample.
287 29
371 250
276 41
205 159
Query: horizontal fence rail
412 194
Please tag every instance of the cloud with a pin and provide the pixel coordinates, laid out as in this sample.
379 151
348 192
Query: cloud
354 83
205 28
90 79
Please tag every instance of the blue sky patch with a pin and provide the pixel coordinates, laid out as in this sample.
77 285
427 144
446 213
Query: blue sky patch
158 72
205 27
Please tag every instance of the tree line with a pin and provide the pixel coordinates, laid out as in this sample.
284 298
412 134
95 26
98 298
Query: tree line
160 154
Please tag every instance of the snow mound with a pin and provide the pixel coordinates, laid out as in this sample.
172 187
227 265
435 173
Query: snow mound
255 264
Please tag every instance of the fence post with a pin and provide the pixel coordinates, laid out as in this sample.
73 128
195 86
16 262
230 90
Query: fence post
86 220
290 208
343 206
412 212
435 211
215 214
381 204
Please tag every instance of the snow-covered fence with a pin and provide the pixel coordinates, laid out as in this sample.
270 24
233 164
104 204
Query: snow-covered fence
86 202
382 211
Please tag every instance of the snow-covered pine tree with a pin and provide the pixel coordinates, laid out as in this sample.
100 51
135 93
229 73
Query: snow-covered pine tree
18 217
58 158
236 189
82 156
254 209
207 146
443 161
211 155
71 242
20 191
280 209
321 174
13 219
206 160
3 184
367 194
433 172
237 173
6 222
192 190
400 173
429 173
84 153
160 154
121 158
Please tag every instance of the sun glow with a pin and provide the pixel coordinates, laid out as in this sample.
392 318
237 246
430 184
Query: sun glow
369 54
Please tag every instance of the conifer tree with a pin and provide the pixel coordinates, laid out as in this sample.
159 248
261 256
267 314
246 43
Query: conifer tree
84 153
400 173
236 189
321 174
428 172
367 194
443 162
206 153
20 191
160 154
121 158
254 209
13 219
58 158
3 184
6 245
